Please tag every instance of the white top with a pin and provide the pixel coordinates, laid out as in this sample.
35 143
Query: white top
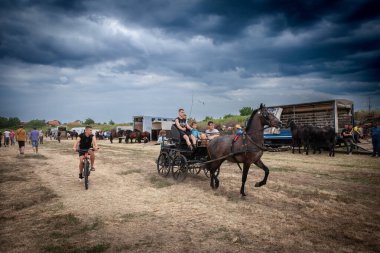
6 134
161 139
212 132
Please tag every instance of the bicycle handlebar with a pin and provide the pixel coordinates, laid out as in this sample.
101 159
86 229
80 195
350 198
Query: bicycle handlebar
85 150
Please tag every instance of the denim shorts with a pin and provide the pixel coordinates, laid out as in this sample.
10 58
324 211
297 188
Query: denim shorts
34 144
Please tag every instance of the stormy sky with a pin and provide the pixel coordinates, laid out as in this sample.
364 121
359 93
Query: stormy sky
112 59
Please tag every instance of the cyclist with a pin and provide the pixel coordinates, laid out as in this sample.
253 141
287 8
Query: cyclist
86 141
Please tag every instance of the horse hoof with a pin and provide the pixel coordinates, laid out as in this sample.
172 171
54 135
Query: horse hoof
259 184
243 195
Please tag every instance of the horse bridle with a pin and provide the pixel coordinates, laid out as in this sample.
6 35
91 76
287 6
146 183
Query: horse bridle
265 116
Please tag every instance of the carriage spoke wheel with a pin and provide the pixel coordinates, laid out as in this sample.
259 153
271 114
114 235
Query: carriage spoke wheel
207 172
163 164
179 167
194 170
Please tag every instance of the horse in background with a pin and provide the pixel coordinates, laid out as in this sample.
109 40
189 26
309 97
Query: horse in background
136 136
247 149
321 137
300 136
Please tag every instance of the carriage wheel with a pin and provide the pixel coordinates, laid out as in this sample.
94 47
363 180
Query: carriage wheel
179 167
207 172
194 169
163 164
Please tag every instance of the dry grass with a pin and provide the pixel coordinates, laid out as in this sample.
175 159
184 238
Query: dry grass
311 204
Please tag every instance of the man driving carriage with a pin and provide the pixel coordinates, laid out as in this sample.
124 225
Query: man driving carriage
184 129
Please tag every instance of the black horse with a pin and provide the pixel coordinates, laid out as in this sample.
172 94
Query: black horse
300 136
321 137
248 148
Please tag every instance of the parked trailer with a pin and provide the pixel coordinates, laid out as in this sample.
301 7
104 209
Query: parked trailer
153 125
335 113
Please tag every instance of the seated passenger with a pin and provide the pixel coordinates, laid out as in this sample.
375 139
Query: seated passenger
162 137
211 132
184 129
195 131
239 130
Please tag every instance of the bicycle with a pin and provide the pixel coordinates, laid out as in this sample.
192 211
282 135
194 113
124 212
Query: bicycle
86 165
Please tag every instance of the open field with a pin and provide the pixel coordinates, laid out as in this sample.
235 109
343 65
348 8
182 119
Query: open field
310 204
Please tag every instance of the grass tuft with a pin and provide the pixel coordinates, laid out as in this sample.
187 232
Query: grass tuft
159 182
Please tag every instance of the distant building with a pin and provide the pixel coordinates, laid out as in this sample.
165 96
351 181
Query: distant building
76 123
54 123
153 125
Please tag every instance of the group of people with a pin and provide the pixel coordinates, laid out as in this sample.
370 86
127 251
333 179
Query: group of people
351 135
9 138
190 133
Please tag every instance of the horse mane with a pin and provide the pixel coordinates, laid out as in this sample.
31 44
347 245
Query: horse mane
250 119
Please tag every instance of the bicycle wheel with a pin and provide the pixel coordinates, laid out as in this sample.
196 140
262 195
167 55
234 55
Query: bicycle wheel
86 171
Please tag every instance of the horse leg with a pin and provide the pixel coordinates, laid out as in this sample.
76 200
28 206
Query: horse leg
299 148
261 165
214 179
244 178
293 144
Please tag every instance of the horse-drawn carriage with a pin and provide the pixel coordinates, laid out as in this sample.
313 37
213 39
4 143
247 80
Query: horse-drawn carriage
177 159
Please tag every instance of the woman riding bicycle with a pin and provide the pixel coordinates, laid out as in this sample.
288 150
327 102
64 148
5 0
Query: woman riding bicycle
86 141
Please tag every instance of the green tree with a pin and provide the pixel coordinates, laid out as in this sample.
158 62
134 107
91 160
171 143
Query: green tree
246 111
227 116
208 118
3 122
36 123
111 122
89 121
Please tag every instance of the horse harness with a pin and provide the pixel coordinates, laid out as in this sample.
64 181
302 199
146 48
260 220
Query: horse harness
245 150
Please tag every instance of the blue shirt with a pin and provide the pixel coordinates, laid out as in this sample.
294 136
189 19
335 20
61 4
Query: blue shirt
195 133
239 132
161 139
34 134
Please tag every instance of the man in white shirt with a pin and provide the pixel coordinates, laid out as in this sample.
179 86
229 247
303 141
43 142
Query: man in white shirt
211 132
6 138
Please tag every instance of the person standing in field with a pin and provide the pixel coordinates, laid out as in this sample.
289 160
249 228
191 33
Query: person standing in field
41 137
347 138
1 137
21 138
12 136
34 136
59 136
375 134
7 135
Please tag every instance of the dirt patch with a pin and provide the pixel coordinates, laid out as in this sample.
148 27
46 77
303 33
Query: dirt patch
311 203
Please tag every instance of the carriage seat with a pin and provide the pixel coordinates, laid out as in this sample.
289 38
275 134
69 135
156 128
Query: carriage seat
176 136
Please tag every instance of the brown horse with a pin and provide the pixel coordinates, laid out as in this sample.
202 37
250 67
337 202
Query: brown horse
136 135
248 148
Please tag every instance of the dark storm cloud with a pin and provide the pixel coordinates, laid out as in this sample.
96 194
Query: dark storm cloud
328 48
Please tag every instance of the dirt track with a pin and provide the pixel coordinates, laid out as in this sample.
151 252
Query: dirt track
311 203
